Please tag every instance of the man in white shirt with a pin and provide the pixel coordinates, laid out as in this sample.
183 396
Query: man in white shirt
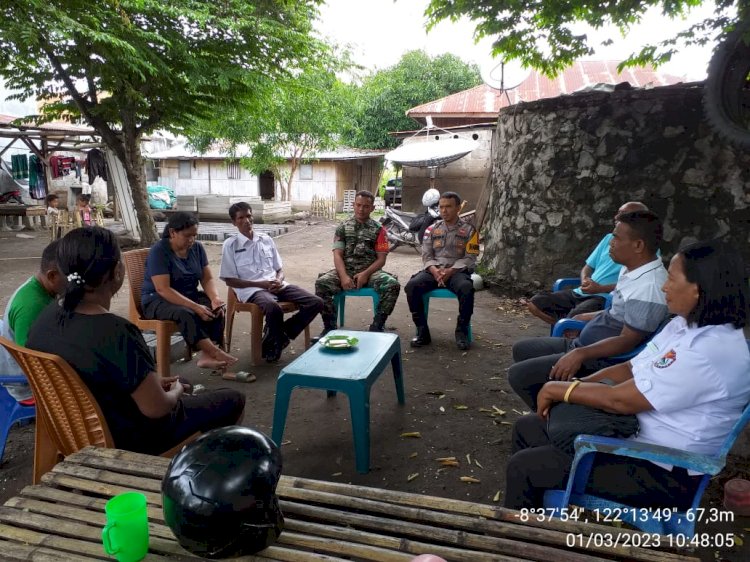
251 265
638 310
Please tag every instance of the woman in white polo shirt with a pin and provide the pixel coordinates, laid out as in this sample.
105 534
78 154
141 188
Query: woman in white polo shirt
687 389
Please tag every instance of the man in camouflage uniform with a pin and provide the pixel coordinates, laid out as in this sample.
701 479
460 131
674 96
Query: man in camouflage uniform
360 248
449 253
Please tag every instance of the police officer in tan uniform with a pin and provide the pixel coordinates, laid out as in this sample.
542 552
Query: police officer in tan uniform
449 253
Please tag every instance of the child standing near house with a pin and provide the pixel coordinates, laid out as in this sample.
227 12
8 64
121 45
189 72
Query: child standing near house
84 209
52 202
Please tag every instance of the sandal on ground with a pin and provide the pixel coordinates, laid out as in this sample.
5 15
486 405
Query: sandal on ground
239 376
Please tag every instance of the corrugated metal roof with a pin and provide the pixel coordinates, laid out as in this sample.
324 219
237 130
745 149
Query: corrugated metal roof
485 101
52 127
183 152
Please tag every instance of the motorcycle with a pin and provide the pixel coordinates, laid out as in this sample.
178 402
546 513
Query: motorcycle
407 229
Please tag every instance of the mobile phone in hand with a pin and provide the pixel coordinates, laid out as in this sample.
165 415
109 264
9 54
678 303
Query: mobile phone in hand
218 308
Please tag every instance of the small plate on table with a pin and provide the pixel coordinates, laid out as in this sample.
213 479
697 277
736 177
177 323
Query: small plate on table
338 343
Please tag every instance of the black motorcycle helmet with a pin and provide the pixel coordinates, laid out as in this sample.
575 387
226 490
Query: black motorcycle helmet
219 493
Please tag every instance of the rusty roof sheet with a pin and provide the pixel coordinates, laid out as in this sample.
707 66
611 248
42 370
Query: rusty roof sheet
51 127
485 101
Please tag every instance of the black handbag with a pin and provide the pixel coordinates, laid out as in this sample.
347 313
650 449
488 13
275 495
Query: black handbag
568 421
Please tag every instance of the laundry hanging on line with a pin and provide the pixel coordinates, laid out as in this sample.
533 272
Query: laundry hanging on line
19 166
37 178
96 165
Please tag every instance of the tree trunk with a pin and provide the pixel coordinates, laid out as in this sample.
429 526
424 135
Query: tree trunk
133 165
289 189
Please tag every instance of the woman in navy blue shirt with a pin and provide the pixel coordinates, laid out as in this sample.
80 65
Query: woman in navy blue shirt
175 266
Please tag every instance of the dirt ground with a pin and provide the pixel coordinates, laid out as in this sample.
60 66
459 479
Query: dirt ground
459 402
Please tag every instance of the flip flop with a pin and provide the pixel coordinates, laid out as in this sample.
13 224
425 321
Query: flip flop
239 376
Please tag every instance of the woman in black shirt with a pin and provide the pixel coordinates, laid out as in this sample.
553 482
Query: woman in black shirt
144 412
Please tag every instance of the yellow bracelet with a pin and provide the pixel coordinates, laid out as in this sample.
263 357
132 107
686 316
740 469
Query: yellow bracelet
570 389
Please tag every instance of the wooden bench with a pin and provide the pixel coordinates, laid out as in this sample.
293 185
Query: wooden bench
22 211
62 518
24 216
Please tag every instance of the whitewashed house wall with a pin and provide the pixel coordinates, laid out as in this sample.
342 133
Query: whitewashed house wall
245 185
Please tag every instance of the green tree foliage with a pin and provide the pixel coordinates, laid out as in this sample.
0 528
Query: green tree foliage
298 117
128 67
541 33
383 98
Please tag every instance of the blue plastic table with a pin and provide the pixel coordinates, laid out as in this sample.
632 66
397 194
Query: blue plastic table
352 372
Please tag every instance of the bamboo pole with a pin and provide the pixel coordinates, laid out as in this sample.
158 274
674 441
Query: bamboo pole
393 543
360 551
496 528
460 539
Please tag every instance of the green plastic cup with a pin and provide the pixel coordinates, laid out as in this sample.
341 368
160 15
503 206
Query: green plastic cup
125 536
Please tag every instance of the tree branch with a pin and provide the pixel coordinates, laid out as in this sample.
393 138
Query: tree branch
84 106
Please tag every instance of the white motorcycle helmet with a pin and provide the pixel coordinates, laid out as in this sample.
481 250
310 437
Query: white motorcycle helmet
431 197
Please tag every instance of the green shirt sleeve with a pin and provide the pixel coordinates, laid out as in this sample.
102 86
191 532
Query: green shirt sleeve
24 310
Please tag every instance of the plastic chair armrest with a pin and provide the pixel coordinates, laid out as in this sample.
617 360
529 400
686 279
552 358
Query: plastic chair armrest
565 282
13 379
566 324
705 464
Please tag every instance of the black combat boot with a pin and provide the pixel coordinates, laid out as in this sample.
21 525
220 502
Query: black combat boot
329 323
462 334
378 323
423 332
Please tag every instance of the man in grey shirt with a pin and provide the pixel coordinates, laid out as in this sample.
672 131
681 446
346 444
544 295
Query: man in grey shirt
638 310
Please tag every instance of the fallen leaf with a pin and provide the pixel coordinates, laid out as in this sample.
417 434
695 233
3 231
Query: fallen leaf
412 434
413 455
449 463
497 497
517 412
738 541
485 410
476 462
498 411
460 407
412 476
287 442
441 459
470 480
468 458
337 474
505 423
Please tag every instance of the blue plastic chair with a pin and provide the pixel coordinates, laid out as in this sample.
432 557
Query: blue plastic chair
340 300
573 282
440 294
679 522
11 411
577 325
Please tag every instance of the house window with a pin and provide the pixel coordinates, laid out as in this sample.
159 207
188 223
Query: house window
184 169
305 172
152 170
233 170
